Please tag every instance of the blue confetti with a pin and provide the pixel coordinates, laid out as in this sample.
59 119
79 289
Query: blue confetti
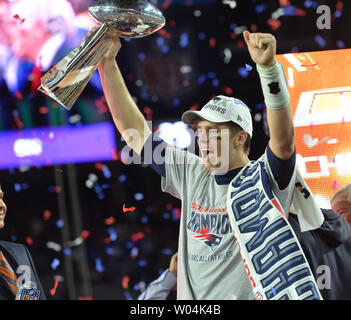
290 10
141 56
321 42
60 223
201 79
127 295
67 251
160 41
243 72
176 102
142 263
165 215
248 67
167 251
340 44
184 40
55 263
110 251
112 233
310 4
138 196
165 49
337 14
202 36
260 8
98 265
144 219
122 178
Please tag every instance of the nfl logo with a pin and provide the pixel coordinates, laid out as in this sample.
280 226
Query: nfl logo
259 296
27 294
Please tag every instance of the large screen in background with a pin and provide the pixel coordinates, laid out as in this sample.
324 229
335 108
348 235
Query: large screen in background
320 89
57 145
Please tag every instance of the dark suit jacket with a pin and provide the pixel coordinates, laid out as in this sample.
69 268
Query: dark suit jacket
17 254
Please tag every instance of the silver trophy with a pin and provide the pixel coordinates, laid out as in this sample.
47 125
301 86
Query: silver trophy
131 18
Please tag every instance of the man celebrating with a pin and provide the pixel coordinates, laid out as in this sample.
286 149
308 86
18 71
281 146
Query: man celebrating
223 192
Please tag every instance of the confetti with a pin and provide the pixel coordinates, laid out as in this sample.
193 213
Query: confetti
125 282
55 263
131 209
53 290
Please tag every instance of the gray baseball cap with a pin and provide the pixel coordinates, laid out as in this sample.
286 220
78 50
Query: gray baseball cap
222 109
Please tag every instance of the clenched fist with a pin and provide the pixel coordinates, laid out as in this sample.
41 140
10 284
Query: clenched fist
262 48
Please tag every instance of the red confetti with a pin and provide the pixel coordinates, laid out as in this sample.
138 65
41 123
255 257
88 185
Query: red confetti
301 13
114 154
284 3
19 95
274 24
110 220
131 209
84 298
253 28
228 91
172 23
137 236
18 18
195 107
85 234
100 166
166 4
125 282
212 42
101 104
339 5
46 215
164 33
43 110
53 290
35 77
168 206
29 241
240 44
233 35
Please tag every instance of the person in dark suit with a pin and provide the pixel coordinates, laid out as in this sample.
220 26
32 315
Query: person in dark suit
18 275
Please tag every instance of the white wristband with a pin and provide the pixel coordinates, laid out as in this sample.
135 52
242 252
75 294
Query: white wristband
275 90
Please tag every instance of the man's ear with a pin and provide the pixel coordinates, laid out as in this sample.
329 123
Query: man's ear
240 139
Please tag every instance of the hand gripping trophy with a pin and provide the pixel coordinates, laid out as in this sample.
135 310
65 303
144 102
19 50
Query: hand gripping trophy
131 18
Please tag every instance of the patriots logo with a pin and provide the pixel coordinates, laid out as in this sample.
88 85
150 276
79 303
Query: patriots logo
210 239
274 88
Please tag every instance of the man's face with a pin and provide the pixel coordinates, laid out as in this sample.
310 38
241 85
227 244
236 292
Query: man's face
342 206
3 209
214 142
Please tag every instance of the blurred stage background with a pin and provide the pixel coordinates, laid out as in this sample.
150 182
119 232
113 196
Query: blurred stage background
97 228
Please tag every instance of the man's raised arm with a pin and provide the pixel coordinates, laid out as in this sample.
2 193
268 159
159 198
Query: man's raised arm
262 48
127 117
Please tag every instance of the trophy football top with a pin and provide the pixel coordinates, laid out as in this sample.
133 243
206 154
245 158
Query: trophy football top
131 18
